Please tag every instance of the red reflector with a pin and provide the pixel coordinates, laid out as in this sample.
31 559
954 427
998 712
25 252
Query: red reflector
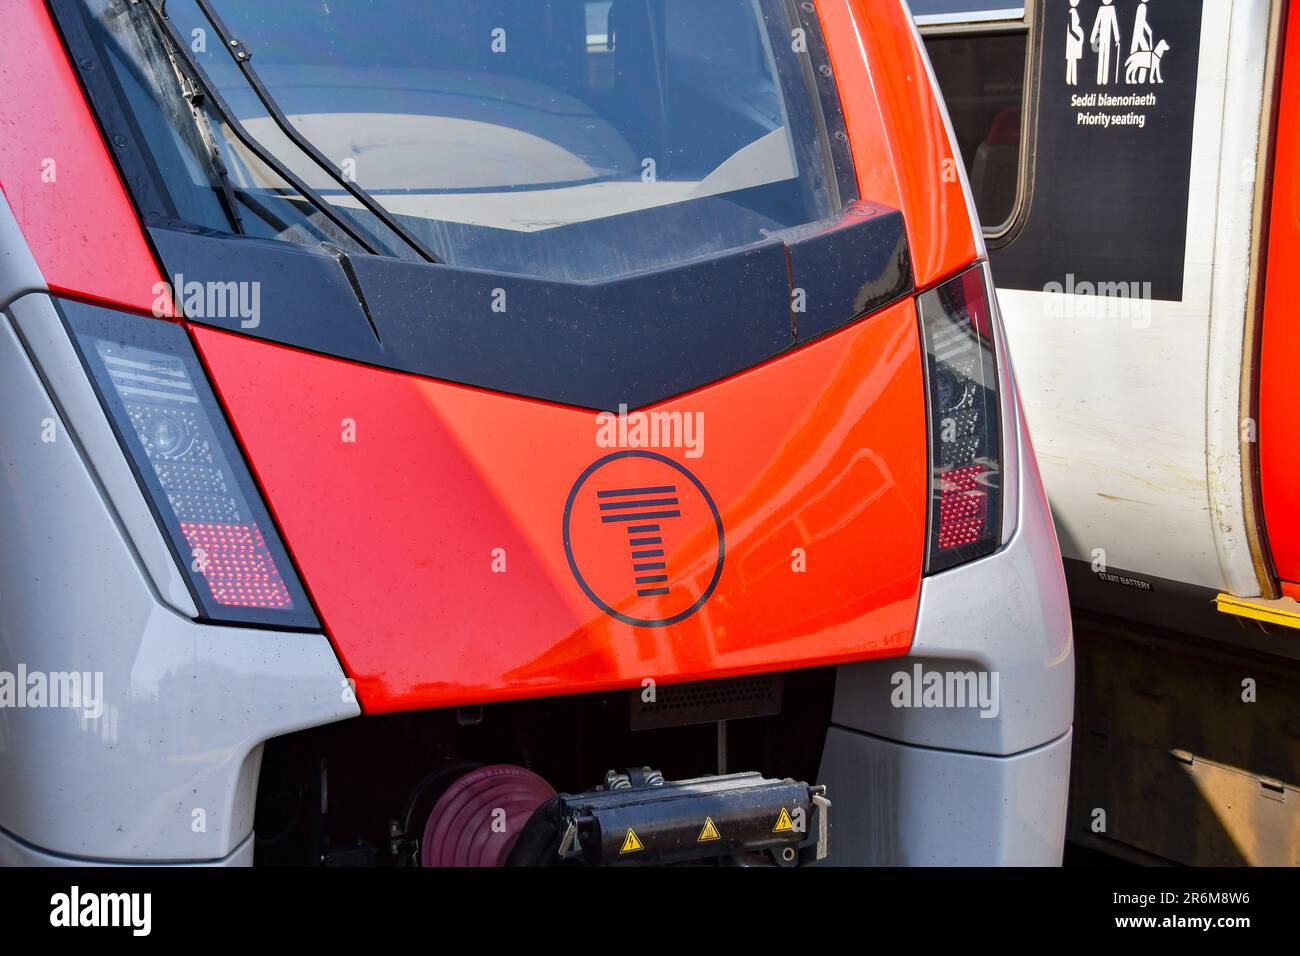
237 565
963 507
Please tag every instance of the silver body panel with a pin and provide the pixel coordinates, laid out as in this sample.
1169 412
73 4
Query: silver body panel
959 785
164 767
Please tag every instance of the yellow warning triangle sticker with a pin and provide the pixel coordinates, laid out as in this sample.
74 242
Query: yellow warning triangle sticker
631 843
783 823
710 832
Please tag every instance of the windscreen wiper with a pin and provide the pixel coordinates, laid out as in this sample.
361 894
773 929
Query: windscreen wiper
202 89
193 97
242 56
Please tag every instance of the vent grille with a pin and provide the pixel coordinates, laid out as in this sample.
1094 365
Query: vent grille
700 702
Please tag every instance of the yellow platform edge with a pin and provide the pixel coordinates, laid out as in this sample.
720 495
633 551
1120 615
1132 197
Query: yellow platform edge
1284 611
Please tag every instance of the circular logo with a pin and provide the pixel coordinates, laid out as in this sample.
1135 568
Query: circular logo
643 535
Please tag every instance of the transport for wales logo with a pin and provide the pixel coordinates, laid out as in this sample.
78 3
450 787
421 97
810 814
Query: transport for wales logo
644 538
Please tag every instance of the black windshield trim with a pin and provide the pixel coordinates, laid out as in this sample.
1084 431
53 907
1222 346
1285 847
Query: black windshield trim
634 340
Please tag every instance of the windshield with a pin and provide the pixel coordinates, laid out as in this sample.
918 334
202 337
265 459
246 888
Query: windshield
561 138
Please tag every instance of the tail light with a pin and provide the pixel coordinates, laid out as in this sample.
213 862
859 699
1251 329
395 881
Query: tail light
169 423
961 374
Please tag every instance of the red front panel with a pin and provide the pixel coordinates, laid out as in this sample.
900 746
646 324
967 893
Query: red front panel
1279 386
465 546
58 176
897 131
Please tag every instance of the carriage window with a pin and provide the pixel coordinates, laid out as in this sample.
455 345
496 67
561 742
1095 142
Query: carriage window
982 76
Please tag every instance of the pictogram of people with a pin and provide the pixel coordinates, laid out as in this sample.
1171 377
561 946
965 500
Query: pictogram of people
1142 39
1105 33
1073 45
1143 63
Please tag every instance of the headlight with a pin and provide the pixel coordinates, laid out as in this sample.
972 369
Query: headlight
174 433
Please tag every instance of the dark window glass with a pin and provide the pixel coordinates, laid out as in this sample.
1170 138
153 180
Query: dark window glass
566 138
983 81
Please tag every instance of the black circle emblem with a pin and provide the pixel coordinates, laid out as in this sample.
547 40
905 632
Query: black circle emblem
638 534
